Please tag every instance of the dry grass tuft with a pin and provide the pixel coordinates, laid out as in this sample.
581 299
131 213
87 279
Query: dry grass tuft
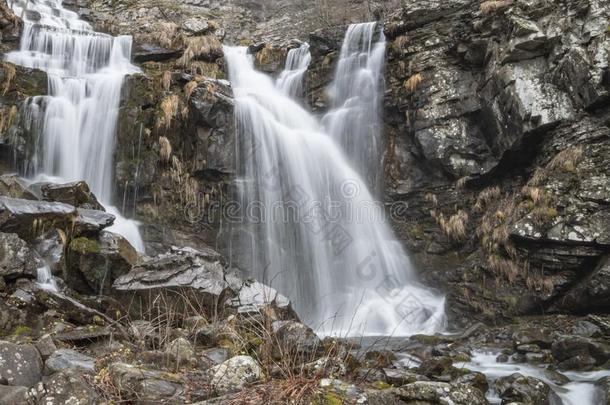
486 197
207 46
9 75
431 198
189 88
166 34
455 226
538 178
166 80
413 82
491 6
169 109
165 149
8 118
567 160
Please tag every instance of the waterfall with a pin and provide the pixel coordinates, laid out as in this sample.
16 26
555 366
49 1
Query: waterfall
354 120
313 229
290 80
78 117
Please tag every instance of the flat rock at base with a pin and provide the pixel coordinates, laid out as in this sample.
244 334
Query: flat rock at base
63 359
10 395
234 374
524 389
143 384
14 186
438 393
92 221
19 364
69 387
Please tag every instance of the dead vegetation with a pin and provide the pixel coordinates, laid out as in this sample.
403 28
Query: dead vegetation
413 82
165 149
169 109
206 47
567 160
492 6
9 75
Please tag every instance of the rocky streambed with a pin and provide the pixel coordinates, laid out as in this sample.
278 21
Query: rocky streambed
184 327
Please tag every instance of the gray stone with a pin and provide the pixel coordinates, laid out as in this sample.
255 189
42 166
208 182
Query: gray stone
145 385
69 387
27 218
76 194
20 365
519 388
63 359
10 395
234 374
440 392
295 339
16 258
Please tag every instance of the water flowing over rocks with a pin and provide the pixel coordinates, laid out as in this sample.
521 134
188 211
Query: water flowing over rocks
495 176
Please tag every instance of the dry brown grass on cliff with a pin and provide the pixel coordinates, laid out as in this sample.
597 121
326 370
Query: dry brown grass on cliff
7 118
453 227
298 390
491 6
165 149
189 88
487 196
567 160
166 80
413 82
207 46
169 109
166 34
9 75
431 198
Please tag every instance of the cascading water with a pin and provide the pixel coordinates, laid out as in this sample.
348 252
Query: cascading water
315 232
290 80
77 119
354 120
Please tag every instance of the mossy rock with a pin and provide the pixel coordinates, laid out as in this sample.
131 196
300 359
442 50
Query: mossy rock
84 245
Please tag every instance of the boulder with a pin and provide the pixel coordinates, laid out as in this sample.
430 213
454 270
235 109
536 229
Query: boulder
199 272
398 376
10 395
20 365
427 392
69 387
295 339
63 359
14 186
29 218
525 389
91 222
16 258
580 353
145 385
234 374
154 53
180 350
94 264
76 194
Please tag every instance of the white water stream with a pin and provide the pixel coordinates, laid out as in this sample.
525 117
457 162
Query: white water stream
290 80
77 119
319 236
580 390
356 94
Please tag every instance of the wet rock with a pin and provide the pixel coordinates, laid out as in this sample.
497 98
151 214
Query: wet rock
580 353
586 329
253 296
519 388
295 339
14 186
440 392
155 53
63 359
476 379
91 222
16 258
211 334
591 293
94 264
400 377
76 194
144 385
438 367
69 387
11 316
603 394
20 365
51 247
27 218
234 374
534 336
